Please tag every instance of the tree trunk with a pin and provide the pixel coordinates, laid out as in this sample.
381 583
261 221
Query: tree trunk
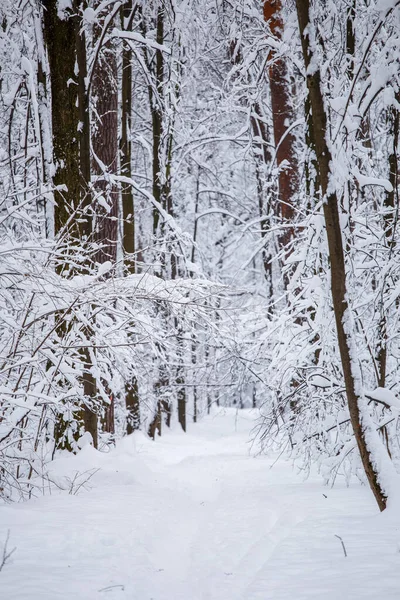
105 150
132 403
180 377
260 134
161 189
85 222
391 204
283 118
361 429
66 47
128 207
44 113
181 403
157 119
60 40
105 163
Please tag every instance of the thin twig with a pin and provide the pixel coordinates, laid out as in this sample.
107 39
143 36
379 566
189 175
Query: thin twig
343 546
6 554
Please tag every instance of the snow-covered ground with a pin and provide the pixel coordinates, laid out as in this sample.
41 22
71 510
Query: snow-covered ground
196 517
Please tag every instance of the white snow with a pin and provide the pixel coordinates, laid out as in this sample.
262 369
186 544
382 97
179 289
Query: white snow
384 395
195 517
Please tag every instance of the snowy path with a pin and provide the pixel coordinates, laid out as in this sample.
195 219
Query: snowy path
194 517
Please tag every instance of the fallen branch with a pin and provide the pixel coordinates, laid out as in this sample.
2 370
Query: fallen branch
343 546
6 554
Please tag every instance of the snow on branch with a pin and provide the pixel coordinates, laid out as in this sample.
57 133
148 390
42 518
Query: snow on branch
137 37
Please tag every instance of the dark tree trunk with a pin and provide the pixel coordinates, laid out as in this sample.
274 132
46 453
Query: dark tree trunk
162 159
60 39
66 47
156 107
105 163
44 113
181 403
264 160
105 149
155 427
391 205
350 37
128 207
157 119
132 403
336 254
180 378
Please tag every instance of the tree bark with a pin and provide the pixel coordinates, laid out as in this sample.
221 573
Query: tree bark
157 119
128 207
105 149
60 39
260 134
283 118
162 161
66 47
132 403
105 163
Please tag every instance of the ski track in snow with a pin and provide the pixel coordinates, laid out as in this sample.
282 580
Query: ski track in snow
196 517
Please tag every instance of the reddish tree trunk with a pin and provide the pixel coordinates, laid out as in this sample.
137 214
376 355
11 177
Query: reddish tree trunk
283 118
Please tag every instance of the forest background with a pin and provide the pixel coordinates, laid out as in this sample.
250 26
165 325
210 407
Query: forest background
199 205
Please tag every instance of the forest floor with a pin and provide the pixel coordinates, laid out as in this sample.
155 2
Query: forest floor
196 517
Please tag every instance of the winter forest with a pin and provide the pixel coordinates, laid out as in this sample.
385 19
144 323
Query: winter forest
199 299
